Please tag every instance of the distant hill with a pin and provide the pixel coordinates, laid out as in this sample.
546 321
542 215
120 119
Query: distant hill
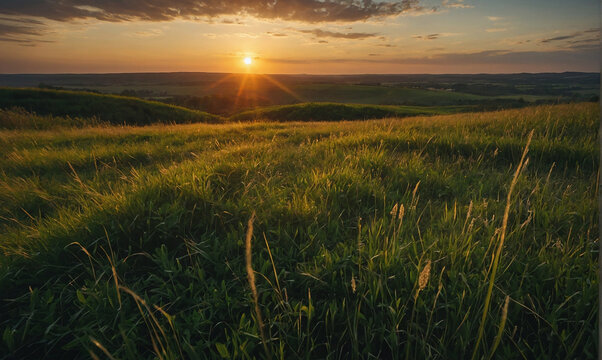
110 109
335 112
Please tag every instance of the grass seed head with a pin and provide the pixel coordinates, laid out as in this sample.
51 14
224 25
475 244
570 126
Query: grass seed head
402 212
394 211
423 279
424 276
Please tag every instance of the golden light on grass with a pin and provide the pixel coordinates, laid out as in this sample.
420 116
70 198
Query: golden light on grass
251 278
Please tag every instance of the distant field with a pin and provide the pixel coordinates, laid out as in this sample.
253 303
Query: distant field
227 94
393 95
374 238
337 112
109 109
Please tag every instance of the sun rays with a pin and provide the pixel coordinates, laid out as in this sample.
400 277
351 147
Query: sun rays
248 87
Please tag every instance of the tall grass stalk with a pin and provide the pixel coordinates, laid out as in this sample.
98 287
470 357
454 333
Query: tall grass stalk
498 252
251 278
500 331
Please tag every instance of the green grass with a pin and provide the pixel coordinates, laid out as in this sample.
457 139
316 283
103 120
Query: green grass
337 112
398 95
46 109
111 109
131 240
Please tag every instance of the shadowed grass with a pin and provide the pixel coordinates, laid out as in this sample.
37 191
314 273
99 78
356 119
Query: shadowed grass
337 112
75 105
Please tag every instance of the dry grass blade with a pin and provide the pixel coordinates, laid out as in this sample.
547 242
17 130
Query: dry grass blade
498 251
102 348
251 278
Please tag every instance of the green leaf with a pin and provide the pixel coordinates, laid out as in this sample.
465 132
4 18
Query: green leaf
81 297
222 350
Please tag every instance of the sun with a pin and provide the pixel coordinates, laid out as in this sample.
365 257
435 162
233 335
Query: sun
247 61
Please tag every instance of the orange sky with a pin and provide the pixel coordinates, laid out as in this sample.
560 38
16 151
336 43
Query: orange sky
303 36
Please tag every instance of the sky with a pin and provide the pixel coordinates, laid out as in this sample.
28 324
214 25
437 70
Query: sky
299 36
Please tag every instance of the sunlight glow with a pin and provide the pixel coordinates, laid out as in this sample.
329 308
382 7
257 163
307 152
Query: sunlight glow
247 61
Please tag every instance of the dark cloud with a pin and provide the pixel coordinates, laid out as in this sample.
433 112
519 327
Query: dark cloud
20 20
427 37
21 31
558 38
311 11
338 35
594 40
23 41
569 36
12 29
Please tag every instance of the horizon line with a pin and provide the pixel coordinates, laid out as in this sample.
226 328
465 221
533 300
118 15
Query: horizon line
299 74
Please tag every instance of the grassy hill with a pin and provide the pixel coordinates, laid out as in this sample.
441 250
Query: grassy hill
371 238
111 109
337 112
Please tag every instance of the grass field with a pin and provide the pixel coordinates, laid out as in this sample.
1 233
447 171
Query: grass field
81 106
364 94
337 112
372 239
46 109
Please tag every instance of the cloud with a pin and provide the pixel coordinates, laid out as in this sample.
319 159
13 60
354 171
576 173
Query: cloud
569 36
587 57
310 11
338 35
232 22
151 33
276 34
21 31
16 29
493 30
427 37
21 20
558 38
24 41
494 18
434 36
459 4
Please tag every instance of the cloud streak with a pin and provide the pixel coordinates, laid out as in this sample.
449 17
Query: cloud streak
309 11
318 33
489 57
427 37
569 36
434 36
459 4
24 32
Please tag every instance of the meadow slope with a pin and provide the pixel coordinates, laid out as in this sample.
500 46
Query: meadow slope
96 108
130 241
